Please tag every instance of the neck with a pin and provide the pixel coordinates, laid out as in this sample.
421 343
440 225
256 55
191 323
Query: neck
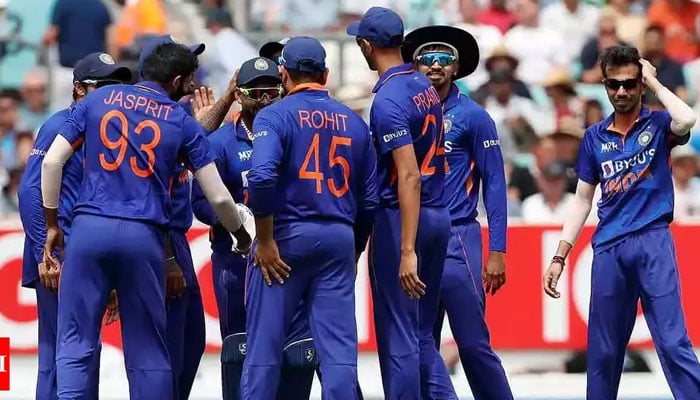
387 61
444 91
622 122
247 118
551 200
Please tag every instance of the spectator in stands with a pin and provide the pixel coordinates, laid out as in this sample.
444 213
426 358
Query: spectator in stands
607 37
517 118
668 72
35 108
487 36
572 20
685 184
301 16
9 205
498 15
538 48
593 112
678 20
138 21
567 139
227 50
78 27
551 204
24 143
522 178
560 90
9 119
629 18
501 60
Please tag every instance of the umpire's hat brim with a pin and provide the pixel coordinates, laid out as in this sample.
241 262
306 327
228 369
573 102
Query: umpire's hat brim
461 40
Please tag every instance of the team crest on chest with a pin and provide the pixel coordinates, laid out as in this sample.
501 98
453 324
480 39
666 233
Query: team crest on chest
644 138
447 125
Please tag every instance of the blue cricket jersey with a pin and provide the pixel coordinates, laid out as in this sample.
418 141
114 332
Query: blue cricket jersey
233 150
407 110
31 205
313 160
634 173
181 190
474 155
134 136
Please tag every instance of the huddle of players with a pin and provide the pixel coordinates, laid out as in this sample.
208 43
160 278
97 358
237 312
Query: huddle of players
317 181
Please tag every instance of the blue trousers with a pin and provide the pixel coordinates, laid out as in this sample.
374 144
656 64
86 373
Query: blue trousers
411 365
642 266
186 332
47 310
462 298
105 254
228 275
323 276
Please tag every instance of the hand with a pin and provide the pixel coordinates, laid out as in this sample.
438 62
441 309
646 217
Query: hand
233 83
112 314
494 272
175 283
648 71
267 257
551 277
50 268
243 240
408 275
202 102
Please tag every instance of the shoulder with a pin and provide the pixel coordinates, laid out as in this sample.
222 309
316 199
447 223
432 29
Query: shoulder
220 136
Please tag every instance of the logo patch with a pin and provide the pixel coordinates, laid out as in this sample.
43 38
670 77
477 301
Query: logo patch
242 348
607 168
309 354
106 59
261 65
644 138
447 124
609 146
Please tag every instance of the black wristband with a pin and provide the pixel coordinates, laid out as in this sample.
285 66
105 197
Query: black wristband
559 260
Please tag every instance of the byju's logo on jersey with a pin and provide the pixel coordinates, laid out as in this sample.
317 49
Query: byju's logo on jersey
394 135
611 168
644 138
607 147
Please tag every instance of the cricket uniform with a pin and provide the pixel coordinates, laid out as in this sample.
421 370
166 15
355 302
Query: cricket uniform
473 155
186 331
634 255
133 138
31 211
407 111
314 173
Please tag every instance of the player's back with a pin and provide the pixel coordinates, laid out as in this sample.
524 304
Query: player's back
133 138
407 106
324 146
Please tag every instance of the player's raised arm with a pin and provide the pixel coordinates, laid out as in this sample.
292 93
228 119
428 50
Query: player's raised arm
368 198
202 209
682 116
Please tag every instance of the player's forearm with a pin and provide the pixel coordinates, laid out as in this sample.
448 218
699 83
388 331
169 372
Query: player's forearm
496 203
682 116
576 217
264 229
219 197
409 204
213 119
201 207
52 171
51 215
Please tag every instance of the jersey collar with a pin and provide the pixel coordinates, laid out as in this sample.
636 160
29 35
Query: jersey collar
392 72
452 98
644 113
308 87
151 87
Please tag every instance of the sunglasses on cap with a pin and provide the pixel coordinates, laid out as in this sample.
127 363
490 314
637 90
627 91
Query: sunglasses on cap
627 84
443 59
100 83
259 93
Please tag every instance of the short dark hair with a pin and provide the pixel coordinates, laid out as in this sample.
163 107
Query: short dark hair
306 77
618 56
167 61
11 93
654 29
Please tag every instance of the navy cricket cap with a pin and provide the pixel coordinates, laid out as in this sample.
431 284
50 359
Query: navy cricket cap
151 45
258 67
380 26
99 66
304 54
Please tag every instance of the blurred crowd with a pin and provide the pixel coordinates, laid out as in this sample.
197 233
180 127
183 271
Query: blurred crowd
539 77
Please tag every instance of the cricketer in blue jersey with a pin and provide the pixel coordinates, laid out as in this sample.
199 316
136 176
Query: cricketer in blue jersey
93 71
133 138
412 225
258 84
313 174
185 312
634 256
445 54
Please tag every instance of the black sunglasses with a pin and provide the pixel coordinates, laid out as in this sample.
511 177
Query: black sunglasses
100 83
627 84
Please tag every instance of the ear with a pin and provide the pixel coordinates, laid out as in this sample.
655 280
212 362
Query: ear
325 76
237 96
456 69
177 81
79 89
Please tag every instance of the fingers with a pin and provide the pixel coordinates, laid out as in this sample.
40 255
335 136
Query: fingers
550 286
210 96
266 275
199 95
412 285
493 282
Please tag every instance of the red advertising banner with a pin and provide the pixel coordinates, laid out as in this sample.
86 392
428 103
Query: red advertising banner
520 316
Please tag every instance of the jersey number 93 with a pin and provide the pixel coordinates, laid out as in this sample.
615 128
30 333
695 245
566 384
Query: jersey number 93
312 170
146 150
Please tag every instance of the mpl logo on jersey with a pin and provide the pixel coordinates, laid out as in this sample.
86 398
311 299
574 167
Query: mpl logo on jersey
5 363
608 147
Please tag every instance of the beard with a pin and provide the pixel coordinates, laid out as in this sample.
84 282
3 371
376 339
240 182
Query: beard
624 105
370 62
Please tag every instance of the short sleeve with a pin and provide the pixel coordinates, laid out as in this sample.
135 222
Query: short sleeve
390 125
585 163
195 148
73 130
